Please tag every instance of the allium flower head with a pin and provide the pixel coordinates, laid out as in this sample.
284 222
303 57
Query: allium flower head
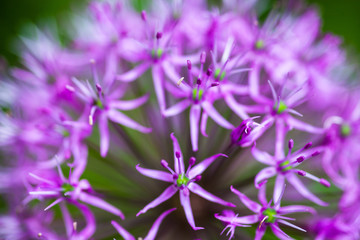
182 181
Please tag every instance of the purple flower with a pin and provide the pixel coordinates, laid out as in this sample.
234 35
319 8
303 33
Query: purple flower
153 230
182 181
69 190
286 168
198 96
104 104
230 225
265 213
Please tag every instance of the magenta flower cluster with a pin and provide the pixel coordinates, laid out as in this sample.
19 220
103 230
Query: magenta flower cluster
275 96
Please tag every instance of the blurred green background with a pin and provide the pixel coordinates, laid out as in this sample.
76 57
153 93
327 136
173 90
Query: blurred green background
339 17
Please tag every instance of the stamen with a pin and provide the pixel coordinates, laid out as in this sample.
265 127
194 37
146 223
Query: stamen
165 164
202 57
158 35
143 15
300 159
192 161
315 153
325 182
291 144
301 173
262 221
180 81
74 226
94 72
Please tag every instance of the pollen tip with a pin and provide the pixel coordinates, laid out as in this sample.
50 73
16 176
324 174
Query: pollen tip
315 153
197 178
91 121
301 173
158 35
291 144
198 82
180 81
92 61
192 161
164 163
209 72
325 183
308 145
202 57
143 15
177 154
188 64
300 159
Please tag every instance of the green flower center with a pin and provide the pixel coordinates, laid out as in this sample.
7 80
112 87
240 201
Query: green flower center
345 130
259 44
157 53
65 133
217 73
197 94
284 164
99 104
270 213
66 187
6 109
281 108
182 180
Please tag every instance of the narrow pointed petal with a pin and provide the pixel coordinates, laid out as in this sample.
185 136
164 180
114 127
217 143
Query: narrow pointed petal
195 188
291 225
177 108
134 73
170 71
129 104
299 186
122 119
299 125
214 114
178 162
204 118
280 139
97 202
296 208
168 193
68 221
158 80
41 179
155 227
104 135
237 108
263 175
155 174
279 233
185 202
253 206
262 156
262 194
125 234
90 227
53 204
44 193
195 112
250 219
259 233
203 165
278 189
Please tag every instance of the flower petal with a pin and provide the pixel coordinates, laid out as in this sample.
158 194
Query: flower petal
104 135
279 233
158 80
125 234
195 112
155 174
155 227
185 202
129 104
178 162
296 208
98 202
134 73
195 188
250 219
299 125
203 165
204 118
214 114
278 189
299 186
259 233
263 175
165 195
262 156
122 119
177 108
237 108
253 206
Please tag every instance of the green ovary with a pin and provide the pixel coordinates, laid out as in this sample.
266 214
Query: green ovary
284 164
66 187
99 104
217 73
345 130
282 107
182 180
270 213
259 44
195 94
157 53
